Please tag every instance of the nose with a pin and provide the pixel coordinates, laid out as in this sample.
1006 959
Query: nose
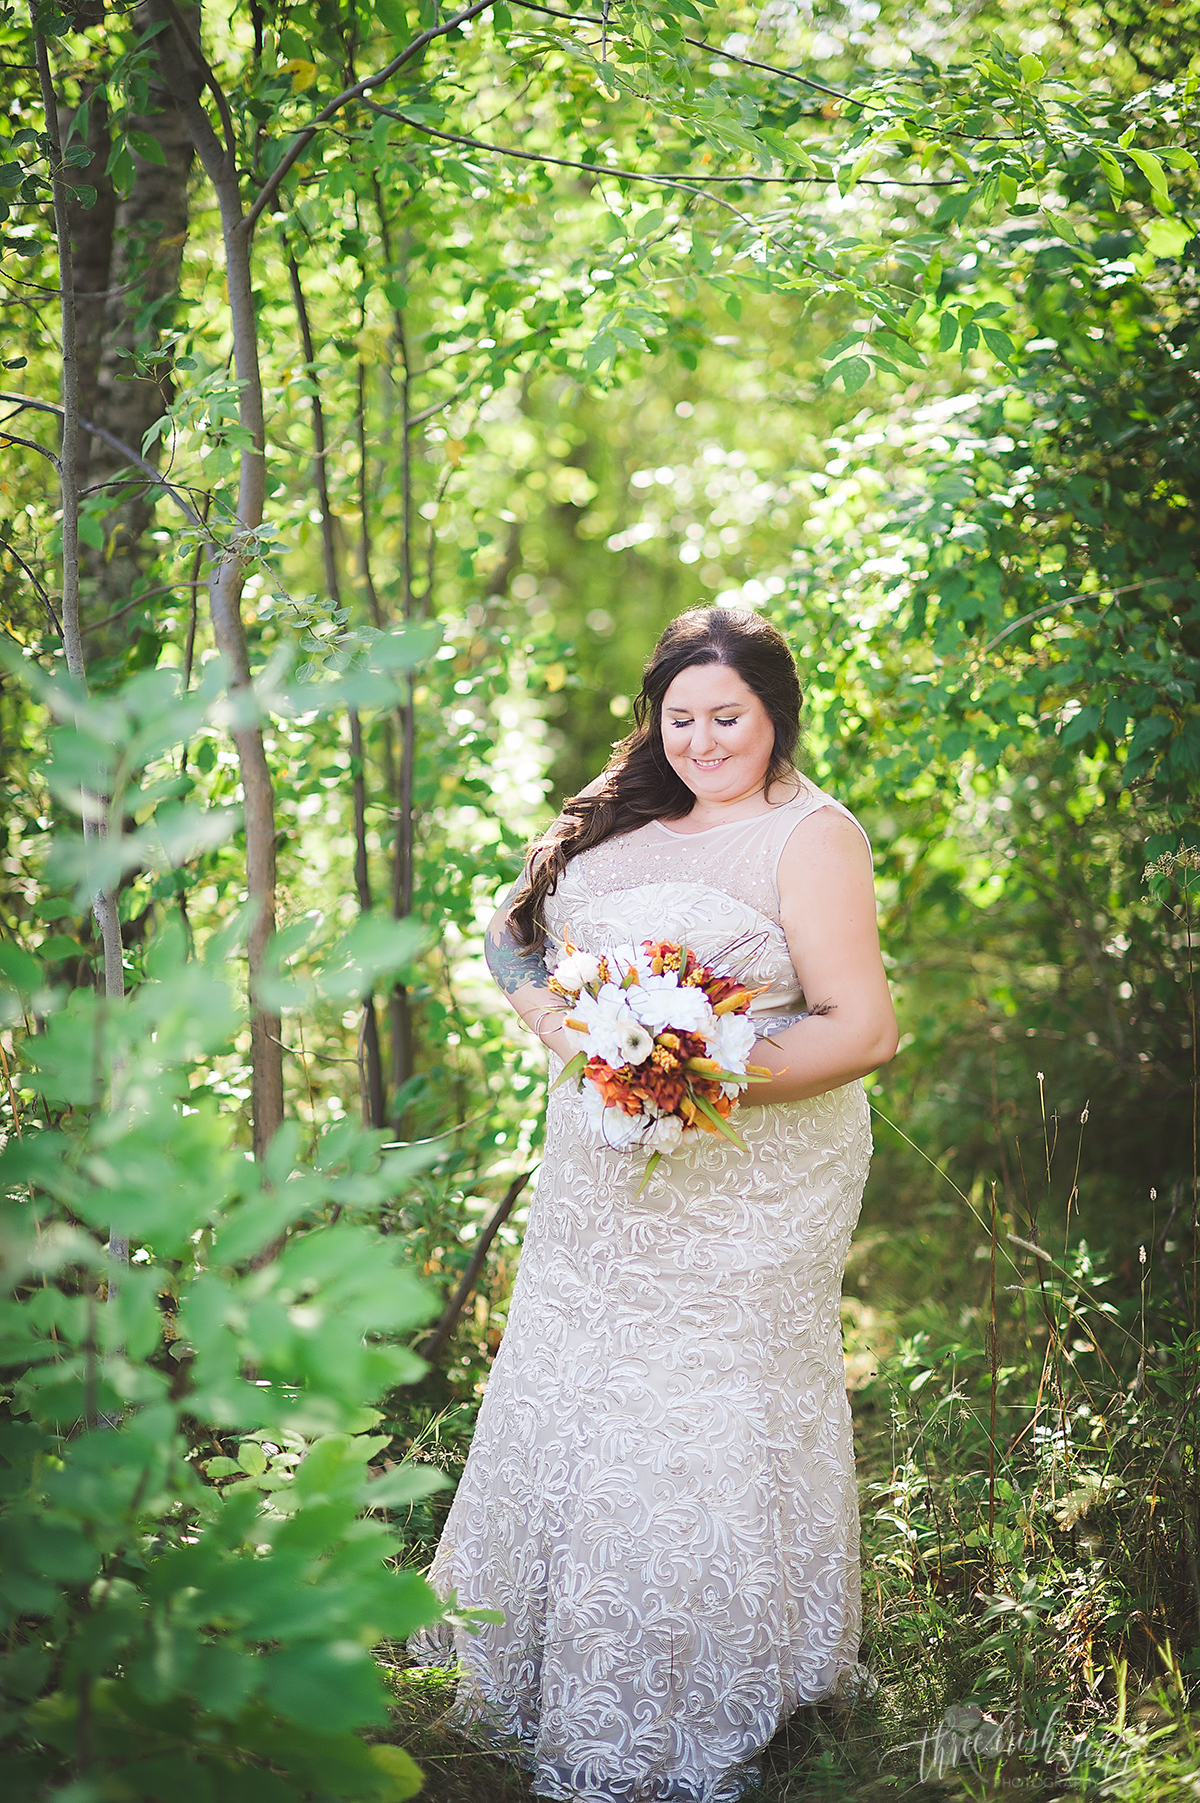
704 742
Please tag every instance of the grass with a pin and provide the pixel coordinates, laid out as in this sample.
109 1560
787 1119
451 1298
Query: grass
1025 1427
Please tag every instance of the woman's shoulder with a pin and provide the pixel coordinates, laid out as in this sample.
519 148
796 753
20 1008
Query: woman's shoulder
816 804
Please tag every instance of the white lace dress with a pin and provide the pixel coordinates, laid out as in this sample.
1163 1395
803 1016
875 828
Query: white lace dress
660 1495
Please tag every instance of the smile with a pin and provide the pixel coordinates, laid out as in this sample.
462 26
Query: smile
708 763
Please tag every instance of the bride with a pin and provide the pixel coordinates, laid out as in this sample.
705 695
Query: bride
660 1496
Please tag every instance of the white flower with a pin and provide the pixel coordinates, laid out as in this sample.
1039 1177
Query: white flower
576 970
666 1134
611 1126
634 1043
622 958
658 1005
607 1019
735 1035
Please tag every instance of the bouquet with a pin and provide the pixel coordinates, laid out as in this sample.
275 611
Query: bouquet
663 1042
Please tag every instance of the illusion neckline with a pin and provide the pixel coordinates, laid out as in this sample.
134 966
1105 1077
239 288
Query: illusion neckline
747 820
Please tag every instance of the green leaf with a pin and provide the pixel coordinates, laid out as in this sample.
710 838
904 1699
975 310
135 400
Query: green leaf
574 1067
1085 721
57 1549
18 968
1032 69
375 947
148 148
402 1485
853 371
1148 732
947 331
404 1777
1151 168
706 1108
899 347
1167 237
999 343
335 1683
1114 175
252 1458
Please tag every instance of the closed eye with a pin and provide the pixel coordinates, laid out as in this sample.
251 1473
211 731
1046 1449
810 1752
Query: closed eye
732 722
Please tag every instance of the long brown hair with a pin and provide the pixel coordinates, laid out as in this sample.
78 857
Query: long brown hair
639 784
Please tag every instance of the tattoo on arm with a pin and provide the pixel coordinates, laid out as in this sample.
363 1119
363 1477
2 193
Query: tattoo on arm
512 965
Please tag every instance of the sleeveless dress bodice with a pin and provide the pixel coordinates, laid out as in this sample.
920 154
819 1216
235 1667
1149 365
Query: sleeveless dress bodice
660 1495
717 888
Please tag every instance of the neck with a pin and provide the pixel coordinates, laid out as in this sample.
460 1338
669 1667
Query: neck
711 811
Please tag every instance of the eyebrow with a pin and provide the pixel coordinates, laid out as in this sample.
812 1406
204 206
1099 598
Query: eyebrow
727 708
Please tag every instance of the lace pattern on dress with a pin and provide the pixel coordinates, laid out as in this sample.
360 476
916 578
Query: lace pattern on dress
661 1495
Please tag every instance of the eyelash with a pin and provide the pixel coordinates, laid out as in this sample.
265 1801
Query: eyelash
732 722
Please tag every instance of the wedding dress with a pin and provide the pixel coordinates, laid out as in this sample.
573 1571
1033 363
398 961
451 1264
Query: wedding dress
660 1496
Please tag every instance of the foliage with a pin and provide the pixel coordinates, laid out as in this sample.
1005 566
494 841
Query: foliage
884 324
191 1587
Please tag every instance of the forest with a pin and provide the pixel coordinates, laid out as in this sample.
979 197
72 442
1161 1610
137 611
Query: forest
378 380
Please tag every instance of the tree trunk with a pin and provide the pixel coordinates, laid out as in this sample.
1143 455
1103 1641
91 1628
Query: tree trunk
150 228
400 1022
95 805
370 1066
180 59
91 253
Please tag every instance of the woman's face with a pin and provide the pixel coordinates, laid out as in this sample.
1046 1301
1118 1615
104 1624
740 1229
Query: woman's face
716 733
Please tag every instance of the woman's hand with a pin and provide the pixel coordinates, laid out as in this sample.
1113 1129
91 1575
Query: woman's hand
827 906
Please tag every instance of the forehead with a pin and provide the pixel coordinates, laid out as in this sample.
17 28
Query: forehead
708 686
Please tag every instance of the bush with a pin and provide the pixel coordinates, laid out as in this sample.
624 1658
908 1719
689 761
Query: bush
196 1545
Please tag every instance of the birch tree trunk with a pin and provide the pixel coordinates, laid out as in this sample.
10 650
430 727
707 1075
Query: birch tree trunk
186 74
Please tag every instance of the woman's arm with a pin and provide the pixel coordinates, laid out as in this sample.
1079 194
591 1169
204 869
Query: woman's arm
521 975
827 896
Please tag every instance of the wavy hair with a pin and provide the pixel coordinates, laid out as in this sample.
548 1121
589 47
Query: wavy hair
639 784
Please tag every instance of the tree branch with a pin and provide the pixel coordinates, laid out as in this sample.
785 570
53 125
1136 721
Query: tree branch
436 1342
122 449
1052 607
30 444
204 68
685 184
7 545
355 92
679 184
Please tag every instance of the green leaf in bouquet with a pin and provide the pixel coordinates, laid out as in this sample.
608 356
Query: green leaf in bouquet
652 1164
705 1107
574 1067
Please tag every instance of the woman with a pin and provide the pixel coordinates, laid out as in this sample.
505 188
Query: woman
660 1496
